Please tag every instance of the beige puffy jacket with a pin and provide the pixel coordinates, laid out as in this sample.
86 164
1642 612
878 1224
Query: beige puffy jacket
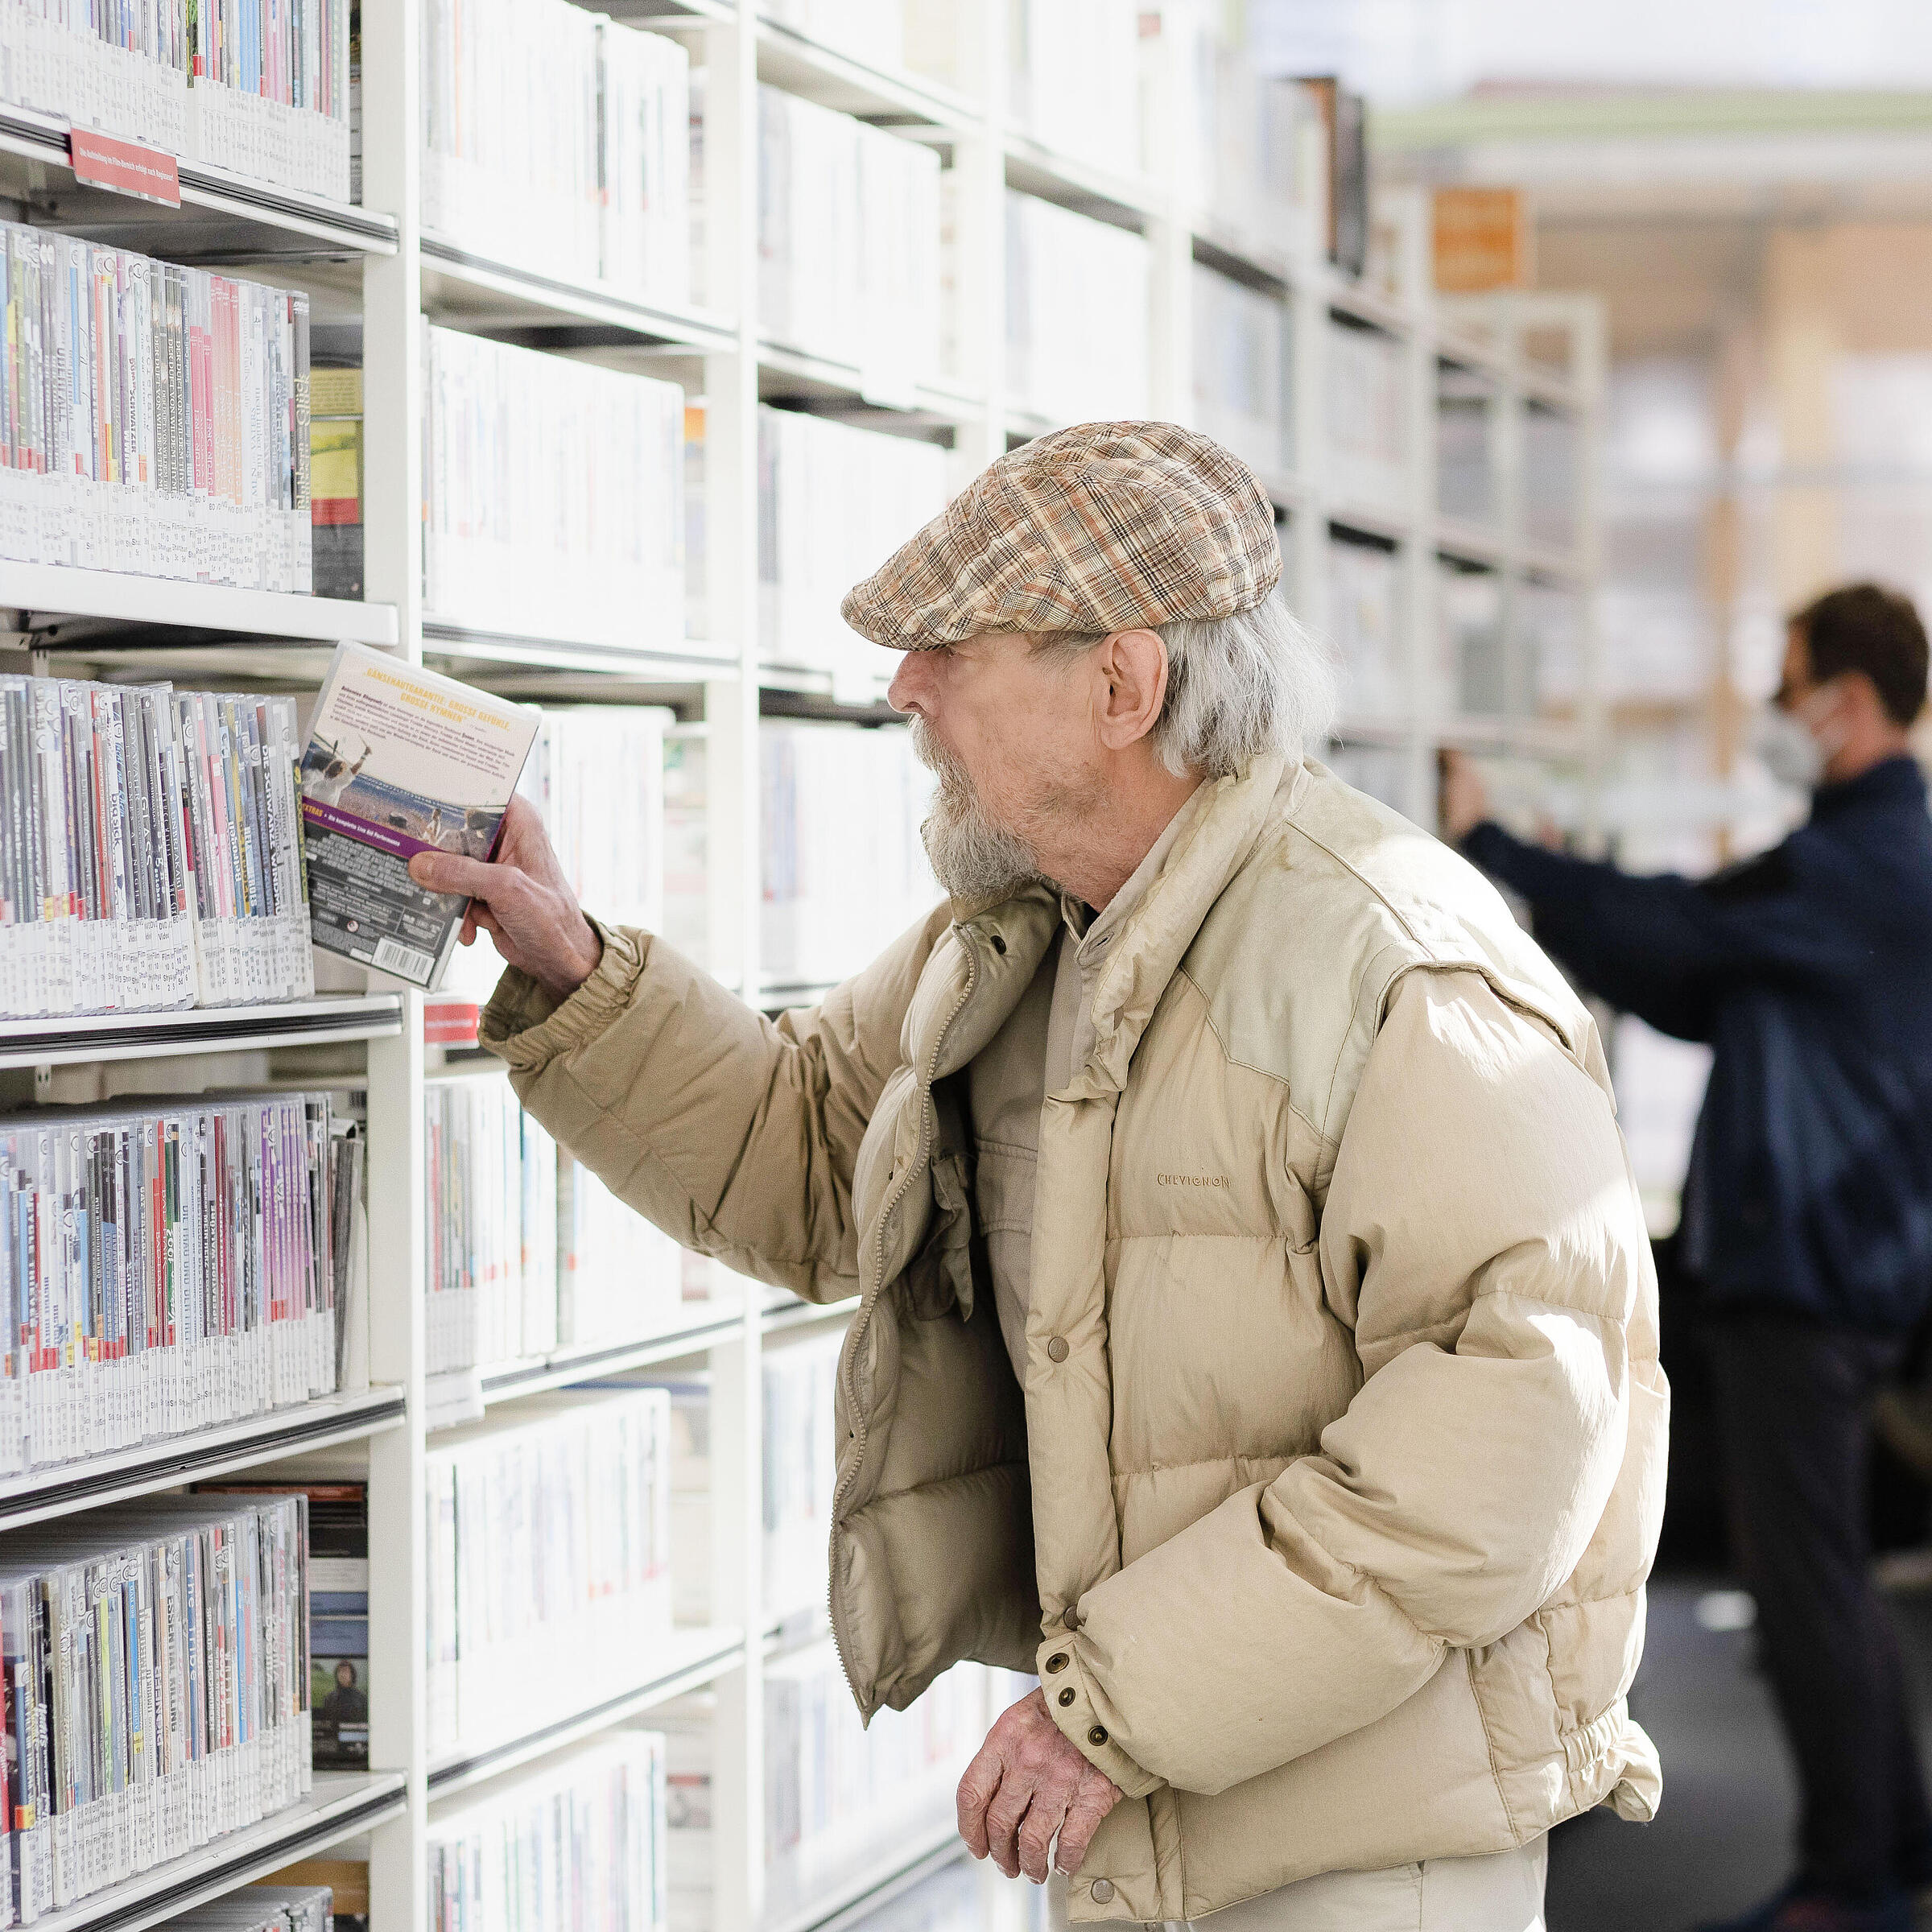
1338 1470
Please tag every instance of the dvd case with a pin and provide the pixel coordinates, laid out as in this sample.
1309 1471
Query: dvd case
153 419
549 1561
157 1679
168 1269
148 858
259 87
261 1908
578 1842
400 760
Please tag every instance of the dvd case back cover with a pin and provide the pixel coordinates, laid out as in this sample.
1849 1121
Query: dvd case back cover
401 760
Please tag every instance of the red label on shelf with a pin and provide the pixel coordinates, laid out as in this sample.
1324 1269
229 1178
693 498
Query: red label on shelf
450 1022
128 168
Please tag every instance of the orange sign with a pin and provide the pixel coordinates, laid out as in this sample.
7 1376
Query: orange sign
1482 240
126 167
449 1022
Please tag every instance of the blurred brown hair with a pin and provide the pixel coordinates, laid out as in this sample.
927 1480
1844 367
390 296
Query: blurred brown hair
1866 627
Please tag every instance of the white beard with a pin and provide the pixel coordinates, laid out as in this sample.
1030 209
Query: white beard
974 859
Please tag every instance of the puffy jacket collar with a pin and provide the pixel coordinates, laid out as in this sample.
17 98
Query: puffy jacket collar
972 984
988 961
1228 820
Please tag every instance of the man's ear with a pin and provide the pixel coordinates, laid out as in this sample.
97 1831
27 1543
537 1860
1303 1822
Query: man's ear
1131 668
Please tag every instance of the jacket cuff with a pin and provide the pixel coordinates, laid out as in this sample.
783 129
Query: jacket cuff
524 1026
1070 1701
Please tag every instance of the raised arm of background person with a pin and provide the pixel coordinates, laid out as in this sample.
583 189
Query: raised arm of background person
1665 947
734 1134
1483 1239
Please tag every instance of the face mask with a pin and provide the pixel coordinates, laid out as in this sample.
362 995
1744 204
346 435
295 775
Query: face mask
1791 754
1796 746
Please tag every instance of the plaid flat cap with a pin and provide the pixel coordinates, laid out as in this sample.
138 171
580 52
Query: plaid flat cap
1104 526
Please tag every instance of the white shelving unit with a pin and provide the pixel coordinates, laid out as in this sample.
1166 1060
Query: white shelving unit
375 264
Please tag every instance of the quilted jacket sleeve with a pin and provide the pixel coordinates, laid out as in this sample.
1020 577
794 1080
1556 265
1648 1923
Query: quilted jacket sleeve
1483 1238
735 1134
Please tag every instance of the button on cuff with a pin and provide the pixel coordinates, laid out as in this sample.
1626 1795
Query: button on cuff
1070 1704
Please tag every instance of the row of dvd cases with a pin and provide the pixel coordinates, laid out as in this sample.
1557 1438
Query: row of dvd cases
1404 448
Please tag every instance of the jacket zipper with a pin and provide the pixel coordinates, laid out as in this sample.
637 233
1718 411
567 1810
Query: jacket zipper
921 1158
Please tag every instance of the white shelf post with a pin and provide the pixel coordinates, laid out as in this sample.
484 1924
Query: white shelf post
731 483
393 499
979 211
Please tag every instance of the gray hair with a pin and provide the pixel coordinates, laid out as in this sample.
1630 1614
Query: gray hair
1237 686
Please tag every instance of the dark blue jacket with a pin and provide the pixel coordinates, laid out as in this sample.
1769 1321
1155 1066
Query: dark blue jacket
1809 971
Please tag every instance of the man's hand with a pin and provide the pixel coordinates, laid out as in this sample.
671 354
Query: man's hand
522 901
1027 1783
1465 797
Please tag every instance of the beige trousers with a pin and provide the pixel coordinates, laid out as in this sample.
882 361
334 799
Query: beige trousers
1502 1893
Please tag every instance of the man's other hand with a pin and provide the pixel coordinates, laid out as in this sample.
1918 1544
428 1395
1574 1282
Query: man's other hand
1028 1782
1465 798
522 900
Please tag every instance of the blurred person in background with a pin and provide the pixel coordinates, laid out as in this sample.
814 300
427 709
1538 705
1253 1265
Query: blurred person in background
1807 1210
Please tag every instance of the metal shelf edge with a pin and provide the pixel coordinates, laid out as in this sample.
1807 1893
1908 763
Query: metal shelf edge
322 1819
63 1489
41 137
873 89
556 1372
844 1905
1040 169
147 1036
664 664
58 590
612 306
459 1772
804 1315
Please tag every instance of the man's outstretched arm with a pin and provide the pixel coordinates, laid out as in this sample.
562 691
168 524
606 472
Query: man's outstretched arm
735 1134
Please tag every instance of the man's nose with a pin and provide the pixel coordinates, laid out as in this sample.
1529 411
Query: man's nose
910 683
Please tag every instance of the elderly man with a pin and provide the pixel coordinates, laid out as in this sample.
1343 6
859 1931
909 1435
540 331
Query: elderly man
1257 1336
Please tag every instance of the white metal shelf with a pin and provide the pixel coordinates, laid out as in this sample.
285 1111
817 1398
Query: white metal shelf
47 593
1558 566
197 1029
874 1880
1287 492
341 1805
786 370
689 662
1235 256
1369 519
62 1488
468 289
627 642
1547 387
847 82
1358 302
506 1382
235 213
1471 541
1034 167
783 1317
685 13
681 1660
